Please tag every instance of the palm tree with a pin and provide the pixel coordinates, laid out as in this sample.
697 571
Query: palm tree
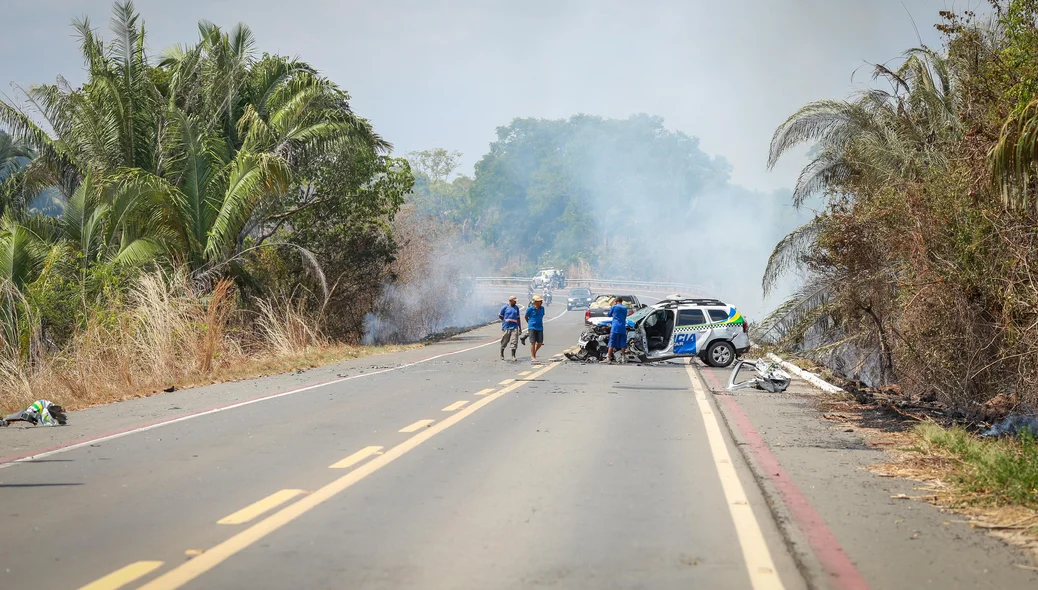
879 139
183 161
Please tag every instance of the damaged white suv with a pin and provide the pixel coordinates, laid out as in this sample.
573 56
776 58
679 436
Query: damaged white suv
675 327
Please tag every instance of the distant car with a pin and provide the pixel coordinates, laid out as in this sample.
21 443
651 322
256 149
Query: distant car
549 277
579 298
599 308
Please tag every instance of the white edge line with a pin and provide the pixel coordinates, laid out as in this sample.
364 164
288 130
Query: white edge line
237 405
756 556
806 375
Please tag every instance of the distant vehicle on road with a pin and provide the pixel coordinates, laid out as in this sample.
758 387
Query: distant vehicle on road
580 297
673 328
549 277
600 306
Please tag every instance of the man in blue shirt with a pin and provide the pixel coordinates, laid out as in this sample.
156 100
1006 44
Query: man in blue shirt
510 327
535 324
617 331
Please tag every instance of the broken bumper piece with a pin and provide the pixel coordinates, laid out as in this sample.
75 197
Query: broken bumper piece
769 377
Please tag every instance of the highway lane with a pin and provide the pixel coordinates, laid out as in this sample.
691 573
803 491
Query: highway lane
461 472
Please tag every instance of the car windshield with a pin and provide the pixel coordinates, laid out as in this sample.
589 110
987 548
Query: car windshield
638 315
580 292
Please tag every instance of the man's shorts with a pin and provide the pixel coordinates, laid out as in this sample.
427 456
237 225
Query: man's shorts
536 336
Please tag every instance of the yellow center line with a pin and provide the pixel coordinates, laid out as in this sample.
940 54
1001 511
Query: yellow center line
524 373
456 406
124 576
416 426
485 391
184 573
506 382
257 508
355 458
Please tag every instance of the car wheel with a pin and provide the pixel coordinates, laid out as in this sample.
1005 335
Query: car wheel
720 354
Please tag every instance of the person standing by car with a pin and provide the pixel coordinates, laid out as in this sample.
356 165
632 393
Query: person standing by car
535 326
617 331
510 327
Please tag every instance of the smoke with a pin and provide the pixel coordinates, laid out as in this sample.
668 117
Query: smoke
687 224
635 200
430 292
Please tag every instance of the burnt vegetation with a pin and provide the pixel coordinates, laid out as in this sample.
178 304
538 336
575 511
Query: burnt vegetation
921 268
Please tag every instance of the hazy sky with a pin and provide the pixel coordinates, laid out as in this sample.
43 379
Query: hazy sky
445 73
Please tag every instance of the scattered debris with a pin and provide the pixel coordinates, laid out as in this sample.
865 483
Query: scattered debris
1016 425
769 377
40 413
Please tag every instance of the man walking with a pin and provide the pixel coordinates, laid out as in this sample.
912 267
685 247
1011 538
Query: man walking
535 326
510 327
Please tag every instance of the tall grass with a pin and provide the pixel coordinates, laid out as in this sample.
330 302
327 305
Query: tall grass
168 332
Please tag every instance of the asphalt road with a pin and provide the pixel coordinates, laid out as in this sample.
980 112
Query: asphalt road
458 472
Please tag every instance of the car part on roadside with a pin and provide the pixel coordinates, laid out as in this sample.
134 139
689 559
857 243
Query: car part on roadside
769 376
40 413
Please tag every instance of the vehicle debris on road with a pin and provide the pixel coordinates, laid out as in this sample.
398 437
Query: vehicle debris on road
769 377
41 413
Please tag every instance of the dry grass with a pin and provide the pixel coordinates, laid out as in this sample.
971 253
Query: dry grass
171 333
958 472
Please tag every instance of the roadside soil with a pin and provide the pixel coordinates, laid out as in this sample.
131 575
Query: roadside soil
884 428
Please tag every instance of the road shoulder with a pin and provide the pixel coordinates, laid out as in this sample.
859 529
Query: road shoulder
18 442
893 542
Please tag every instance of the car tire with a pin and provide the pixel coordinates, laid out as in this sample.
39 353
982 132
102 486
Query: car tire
720 354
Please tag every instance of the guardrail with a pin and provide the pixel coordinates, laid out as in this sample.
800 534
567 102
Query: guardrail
684 288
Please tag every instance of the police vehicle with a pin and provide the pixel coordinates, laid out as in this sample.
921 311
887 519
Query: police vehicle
678 327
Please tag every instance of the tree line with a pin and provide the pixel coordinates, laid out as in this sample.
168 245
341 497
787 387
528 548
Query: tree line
920 267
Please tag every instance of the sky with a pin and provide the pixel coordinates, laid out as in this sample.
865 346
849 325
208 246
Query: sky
441 73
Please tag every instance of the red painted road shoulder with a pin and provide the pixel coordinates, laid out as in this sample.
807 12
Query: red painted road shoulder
835 561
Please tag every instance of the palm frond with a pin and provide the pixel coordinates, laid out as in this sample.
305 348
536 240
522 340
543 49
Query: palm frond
1012 160
829 122
252 176
796 314
790 251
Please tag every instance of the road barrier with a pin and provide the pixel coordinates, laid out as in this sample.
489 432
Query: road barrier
683 288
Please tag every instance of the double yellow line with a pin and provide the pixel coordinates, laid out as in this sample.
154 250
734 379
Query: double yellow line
211 558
